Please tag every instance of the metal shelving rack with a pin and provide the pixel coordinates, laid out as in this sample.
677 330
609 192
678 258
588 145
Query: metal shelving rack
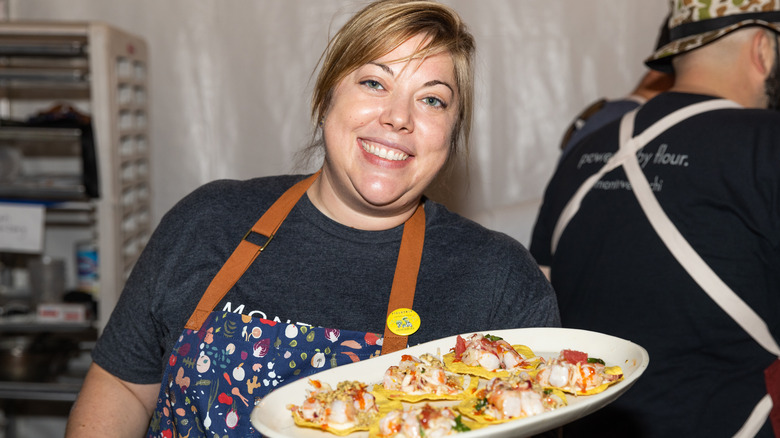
102 70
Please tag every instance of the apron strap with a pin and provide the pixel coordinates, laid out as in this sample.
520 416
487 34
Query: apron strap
246 252
705 277
405 280
756 419
715 288
696 267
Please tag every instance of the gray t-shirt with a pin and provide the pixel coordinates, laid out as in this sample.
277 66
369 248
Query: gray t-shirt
316 272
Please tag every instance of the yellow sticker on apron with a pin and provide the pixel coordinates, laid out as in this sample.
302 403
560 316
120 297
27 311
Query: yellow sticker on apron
403 321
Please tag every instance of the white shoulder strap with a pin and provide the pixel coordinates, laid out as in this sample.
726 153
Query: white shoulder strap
756 419
707 279
729 301
624 153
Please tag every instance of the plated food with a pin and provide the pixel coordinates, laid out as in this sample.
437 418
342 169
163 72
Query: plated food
509 398
576 373
489 356
425 378
487 381
347 408
424 421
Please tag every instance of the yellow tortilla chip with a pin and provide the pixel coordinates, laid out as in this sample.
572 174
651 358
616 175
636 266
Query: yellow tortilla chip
300 422
461 368
382 403
469 409
524 351
373 431
414 398
615 370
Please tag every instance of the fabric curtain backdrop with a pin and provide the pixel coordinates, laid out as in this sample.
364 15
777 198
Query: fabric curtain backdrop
230 82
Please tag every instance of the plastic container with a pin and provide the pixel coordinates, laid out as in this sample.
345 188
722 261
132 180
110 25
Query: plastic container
87 275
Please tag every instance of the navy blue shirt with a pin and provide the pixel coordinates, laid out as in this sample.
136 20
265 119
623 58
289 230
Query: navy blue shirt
717 177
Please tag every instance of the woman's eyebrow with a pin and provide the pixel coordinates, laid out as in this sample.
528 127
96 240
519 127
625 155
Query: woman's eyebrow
389 71
438 82
384 67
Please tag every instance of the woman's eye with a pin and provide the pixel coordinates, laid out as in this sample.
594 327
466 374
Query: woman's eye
370 83
432 101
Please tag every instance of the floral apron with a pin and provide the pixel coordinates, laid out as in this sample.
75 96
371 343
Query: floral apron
224 363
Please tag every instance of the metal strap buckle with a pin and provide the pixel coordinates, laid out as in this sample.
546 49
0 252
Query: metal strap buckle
262 247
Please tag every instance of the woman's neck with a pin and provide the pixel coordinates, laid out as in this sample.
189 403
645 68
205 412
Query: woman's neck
354 215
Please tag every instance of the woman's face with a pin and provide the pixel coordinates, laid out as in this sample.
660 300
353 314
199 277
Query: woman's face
388 133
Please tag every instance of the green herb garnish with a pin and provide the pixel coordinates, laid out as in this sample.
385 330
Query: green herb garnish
595 360
459 426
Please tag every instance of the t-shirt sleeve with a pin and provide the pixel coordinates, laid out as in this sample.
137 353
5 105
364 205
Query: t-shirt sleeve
527 299
510 291
129 345
133 343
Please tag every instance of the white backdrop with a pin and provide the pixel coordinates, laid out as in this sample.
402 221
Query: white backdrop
230 82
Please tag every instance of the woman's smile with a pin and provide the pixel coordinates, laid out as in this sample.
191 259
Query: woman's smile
383 152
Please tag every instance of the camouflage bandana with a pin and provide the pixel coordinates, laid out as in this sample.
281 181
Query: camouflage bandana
694 23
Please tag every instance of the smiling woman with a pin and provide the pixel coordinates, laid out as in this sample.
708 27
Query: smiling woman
356 261
394 101
387 134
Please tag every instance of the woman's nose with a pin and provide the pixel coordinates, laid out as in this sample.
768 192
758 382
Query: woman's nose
397 114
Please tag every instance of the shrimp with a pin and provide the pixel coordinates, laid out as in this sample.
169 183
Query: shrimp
480 351
510 358
490 353
341 414
350 405
486 359
515 397
513 400
556 374
424 375
425 421
573 372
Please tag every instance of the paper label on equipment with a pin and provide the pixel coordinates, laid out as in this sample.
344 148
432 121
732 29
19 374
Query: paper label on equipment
21 228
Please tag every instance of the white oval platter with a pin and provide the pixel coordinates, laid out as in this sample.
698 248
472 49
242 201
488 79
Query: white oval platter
273 419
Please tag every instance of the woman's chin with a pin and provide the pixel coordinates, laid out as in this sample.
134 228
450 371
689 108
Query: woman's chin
380 192
385 202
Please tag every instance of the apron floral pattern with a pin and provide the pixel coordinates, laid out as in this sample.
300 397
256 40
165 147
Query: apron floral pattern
217 374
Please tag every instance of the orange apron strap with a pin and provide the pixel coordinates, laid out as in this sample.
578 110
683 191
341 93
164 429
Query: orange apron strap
405 280
247 252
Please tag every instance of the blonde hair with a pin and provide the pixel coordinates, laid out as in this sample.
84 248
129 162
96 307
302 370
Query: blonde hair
377 30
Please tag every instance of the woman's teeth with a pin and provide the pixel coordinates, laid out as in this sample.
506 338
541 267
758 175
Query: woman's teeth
382 152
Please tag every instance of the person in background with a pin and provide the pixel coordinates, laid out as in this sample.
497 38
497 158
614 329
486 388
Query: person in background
603 110
392 105
664 229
